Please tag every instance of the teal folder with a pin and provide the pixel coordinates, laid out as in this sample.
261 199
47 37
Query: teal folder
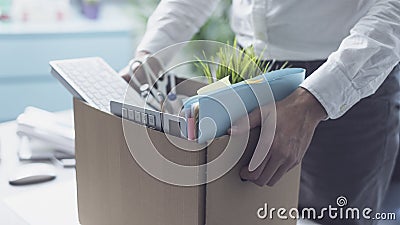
220 108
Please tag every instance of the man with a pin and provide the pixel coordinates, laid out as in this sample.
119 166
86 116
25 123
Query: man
351 50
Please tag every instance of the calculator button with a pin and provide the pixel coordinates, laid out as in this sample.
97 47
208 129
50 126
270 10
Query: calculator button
152 120
144 118
124 113
137 116
131 115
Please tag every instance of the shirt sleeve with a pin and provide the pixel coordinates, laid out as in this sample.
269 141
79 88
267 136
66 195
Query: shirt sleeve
175 21
362 62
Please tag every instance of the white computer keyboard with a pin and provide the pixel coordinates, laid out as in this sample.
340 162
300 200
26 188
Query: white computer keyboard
94 81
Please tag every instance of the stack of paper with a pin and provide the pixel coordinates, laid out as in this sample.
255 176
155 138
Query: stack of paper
56 131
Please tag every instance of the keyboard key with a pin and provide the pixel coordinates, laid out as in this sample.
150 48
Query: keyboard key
95 81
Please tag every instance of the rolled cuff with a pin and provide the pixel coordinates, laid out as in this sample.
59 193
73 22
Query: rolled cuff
333 89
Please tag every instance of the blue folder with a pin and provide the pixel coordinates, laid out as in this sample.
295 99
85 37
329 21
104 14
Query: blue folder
219 108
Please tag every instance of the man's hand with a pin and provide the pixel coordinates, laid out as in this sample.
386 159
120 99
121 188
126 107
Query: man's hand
297 117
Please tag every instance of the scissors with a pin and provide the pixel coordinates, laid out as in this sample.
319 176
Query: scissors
157 87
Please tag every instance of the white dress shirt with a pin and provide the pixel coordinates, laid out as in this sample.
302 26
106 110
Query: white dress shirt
360 38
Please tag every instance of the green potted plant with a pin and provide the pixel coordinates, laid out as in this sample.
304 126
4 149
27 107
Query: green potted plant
238 64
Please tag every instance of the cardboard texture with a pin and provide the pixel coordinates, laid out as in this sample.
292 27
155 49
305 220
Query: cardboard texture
229 200
114 189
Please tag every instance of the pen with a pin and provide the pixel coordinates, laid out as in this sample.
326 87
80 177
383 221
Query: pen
195 114
174 102
191 123
172 79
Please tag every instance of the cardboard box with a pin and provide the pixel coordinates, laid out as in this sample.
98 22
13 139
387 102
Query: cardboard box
114 189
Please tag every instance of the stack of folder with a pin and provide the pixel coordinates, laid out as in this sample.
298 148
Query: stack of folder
210 113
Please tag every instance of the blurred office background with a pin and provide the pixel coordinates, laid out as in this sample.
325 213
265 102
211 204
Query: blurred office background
33 32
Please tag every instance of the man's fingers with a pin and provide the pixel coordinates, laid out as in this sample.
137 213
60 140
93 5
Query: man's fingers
278 175
270 169
264 144
268 173
245 174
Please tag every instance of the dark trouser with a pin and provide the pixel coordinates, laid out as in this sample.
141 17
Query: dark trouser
353 156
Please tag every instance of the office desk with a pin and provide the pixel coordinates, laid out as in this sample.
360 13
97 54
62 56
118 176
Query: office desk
52 202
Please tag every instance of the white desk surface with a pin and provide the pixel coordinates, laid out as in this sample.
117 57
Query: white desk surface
36 203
